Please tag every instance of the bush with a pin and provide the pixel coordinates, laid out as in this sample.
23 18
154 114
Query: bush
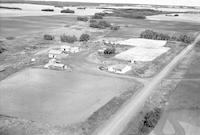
198 44
84 37
82 18
48 37
68 38
115 27
109 51
67 11
150 120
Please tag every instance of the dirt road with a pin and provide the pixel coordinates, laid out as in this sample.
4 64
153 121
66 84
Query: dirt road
119 121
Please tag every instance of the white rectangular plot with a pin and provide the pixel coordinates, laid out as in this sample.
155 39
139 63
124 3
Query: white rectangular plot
140 42
142 54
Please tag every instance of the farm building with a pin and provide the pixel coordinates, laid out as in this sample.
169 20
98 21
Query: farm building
55 53
54 64
120 68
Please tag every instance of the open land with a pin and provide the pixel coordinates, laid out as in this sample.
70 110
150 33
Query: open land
34 100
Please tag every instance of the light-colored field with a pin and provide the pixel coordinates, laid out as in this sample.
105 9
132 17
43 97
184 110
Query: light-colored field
144 49
142 54
193 18
57 97
140 42
35 10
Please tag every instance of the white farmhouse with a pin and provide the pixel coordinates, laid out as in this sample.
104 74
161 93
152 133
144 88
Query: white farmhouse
74 49
55 53
120 68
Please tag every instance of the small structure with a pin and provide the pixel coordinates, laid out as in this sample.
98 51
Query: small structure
54 64
55 53
120 68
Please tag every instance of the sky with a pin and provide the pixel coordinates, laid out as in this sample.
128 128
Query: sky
156 2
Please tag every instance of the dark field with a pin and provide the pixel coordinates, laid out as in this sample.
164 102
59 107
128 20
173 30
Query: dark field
17 26
134 26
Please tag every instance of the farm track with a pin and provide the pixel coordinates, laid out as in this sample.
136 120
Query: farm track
120 120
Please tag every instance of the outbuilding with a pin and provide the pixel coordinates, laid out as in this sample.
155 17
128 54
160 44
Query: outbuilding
119 68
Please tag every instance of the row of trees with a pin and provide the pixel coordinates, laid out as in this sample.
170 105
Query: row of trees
68 38
150 34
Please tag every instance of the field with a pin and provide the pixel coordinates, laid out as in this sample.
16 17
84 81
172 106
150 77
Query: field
72 98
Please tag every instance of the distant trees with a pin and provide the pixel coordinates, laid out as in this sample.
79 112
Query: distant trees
82 18
84 37
68 38
48 37
48 10
67 11
150 34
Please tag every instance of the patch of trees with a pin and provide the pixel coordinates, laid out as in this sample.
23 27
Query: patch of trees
150 120
67 11
82 18
109 51
48 10
68 38
84 37
102 24
97 17
48 37
150 34
135 13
